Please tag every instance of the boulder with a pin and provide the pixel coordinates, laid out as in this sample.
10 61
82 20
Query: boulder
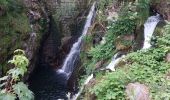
124 42
137 91
168 57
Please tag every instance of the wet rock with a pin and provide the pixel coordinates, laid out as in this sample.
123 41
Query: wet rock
168 57
65 40
137 91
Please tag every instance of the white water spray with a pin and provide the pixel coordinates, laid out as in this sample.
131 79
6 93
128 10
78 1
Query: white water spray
71 58
115 61
81 89
150 26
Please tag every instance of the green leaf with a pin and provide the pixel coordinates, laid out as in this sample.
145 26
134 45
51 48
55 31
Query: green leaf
23 92
3 78
7 96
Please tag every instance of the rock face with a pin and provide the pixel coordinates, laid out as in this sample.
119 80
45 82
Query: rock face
168 57
124 42
36 13
162 7
22 28
137 91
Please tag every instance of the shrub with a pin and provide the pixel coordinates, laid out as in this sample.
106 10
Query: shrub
11 86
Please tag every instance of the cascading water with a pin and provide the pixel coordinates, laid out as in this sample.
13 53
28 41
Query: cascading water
115 60
45 82
69 62
150 26
149 29
81 89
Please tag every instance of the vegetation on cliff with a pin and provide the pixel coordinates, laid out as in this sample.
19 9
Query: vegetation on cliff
14 28
117 27
147 67
11 86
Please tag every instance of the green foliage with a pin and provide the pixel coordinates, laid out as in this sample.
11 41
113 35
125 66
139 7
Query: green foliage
88 39
11 86
164 41
138 10
120 27
14 23
12 5
111 86
144 66
3 2
142 8
14 28
103 4
19 59
7 96
20 62
123 26
22 91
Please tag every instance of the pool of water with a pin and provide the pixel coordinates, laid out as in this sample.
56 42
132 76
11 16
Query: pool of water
47 84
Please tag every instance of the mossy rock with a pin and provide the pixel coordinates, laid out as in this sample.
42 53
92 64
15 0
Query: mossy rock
124 42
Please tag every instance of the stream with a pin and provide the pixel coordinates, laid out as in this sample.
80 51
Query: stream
52 84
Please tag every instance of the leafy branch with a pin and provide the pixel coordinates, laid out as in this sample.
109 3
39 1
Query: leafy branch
11 86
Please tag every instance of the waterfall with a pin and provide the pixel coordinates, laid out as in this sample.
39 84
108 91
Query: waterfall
73 55
115 60
149 28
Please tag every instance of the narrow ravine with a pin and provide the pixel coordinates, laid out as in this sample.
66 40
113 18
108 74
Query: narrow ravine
84 49
51 84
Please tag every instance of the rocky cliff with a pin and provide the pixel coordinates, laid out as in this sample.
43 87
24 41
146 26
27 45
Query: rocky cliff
40 27
162 7
23 24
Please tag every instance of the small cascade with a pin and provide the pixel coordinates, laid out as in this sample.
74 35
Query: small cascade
81 89
71 58
150 26
115 60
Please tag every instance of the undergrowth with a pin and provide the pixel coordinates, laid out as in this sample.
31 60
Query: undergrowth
145 66
104 51
12 87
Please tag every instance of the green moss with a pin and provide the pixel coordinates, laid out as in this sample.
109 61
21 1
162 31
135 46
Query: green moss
14 28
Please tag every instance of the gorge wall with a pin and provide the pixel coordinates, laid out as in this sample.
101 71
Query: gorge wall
162 7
